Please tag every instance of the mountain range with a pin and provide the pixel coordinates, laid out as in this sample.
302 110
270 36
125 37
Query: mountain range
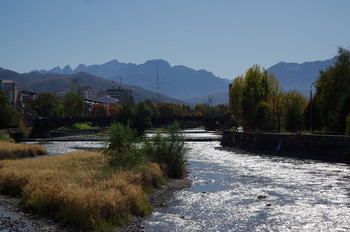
294 76
178 82
61 83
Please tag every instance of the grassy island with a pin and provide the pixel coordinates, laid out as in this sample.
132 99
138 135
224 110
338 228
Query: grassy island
10 150
96 190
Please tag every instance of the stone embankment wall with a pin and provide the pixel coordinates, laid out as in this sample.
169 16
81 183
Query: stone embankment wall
321 147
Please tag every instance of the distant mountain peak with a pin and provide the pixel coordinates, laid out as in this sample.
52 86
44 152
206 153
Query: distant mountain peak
67 69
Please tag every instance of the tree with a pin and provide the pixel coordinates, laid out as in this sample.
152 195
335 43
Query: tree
114 110
143 117
73 105
275 102
294 105
249 99
332 93
99 110
236 96
7 113
170 110
48 105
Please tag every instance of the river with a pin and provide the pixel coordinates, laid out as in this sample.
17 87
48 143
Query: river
233 191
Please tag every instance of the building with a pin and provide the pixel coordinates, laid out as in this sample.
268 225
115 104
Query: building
123 95
11 90
85 92
25 98
107 100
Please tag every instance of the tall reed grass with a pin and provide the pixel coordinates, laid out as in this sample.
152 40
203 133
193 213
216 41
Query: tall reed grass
14 151
78 188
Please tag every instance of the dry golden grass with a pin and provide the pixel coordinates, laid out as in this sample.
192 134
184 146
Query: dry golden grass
14 151
76 188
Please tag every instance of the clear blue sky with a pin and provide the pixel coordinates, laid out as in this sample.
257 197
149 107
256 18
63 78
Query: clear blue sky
225 37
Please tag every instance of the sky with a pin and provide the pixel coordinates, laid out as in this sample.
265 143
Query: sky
225 37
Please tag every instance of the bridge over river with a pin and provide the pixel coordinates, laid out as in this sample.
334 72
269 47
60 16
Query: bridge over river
42 126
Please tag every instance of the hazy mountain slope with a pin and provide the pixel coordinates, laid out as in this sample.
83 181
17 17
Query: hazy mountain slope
179 81
217 98
293 76
61 83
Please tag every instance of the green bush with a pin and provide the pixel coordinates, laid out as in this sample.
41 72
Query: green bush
4 136
126 151
169 151
122 147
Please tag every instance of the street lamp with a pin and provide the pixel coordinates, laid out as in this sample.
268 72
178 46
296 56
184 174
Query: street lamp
311 103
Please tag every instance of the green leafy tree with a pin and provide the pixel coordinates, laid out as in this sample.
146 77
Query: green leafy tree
236 96
294 105
48 105
170 110
275 102
73 105
263 116
143 117
7 113
128 112
332 93
122 147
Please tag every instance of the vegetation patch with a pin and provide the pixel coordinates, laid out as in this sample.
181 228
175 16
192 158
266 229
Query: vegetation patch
126 151
78 188
14 151
77 126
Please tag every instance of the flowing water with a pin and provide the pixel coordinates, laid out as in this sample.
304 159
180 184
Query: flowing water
240 192
233 191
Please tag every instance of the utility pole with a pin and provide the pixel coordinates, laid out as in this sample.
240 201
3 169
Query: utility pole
210 101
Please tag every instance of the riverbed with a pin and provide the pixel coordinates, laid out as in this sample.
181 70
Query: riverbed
236 191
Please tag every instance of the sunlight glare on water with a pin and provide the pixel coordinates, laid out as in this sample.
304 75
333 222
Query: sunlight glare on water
242 192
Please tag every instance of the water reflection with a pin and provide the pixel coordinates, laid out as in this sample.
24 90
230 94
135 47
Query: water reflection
60 147
241 192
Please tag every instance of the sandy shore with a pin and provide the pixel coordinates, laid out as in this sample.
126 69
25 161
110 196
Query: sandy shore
13 218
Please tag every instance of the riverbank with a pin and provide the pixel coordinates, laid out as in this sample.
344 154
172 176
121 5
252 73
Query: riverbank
330 148
15 218
76 183
158 199
10 150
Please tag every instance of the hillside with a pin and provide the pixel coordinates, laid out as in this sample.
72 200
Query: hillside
294 76
178 81
61 83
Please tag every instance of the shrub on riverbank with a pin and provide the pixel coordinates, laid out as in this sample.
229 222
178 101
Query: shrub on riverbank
169 151
125 151
122 148
14 151
77 188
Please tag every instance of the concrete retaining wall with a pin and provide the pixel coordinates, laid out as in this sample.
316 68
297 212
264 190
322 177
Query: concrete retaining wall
321 147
